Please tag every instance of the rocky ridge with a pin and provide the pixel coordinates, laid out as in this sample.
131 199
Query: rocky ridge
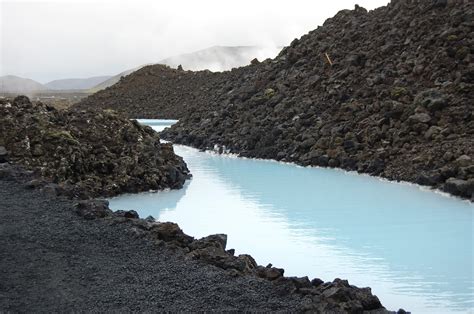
86 153
366 91
158 90
387 92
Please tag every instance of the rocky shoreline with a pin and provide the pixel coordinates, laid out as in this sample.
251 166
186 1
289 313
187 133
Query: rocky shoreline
366 92
22 207
387 92
54 165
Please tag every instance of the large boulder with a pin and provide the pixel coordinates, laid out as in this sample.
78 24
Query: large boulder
215 240
269 272
171 232
3 154
432 99
212 250
460 187
92 209
464 161
419 118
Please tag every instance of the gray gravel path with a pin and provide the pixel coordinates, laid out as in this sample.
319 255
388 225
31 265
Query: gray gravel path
54 261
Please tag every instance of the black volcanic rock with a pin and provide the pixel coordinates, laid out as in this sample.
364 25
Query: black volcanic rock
118 262
87 153
387 92
156 88
3 154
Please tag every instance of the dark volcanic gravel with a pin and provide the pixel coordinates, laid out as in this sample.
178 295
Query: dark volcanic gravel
51 260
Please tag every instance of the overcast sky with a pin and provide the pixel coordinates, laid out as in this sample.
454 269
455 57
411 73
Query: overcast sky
47 40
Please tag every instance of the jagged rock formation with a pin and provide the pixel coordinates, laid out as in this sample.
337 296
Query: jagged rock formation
387 92
87 153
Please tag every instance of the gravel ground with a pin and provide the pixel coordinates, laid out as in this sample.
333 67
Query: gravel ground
51 260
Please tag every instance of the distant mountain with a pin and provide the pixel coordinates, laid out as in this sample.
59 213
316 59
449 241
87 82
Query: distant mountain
216 58
112 80
16 84
76 83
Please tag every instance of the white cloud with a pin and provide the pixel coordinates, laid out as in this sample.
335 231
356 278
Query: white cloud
46 40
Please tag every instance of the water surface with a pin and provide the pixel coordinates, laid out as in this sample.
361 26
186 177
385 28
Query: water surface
414 247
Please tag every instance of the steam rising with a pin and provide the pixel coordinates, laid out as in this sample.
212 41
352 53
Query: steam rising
219 58
47 40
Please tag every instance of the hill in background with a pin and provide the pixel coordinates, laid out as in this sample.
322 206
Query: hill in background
76 83
16 84
216 58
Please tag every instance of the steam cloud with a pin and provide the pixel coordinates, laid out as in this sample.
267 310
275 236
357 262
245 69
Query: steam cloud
50 39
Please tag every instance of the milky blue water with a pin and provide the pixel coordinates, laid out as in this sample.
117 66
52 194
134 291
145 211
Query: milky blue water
414 247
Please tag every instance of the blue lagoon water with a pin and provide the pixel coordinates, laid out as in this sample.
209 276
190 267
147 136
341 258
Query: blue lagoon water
414 247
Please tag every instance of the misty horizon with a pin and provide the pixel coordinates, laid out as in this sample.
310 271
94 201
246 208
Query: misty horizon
51 40
262 54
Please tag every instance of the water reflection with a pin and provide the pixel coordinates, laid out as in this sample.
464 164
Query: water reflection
413 247
147 205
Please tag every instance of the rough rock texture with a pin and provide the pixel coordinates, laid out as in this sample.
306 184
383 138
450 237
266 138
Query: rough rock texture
52 260
86 153
158 88
387 92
